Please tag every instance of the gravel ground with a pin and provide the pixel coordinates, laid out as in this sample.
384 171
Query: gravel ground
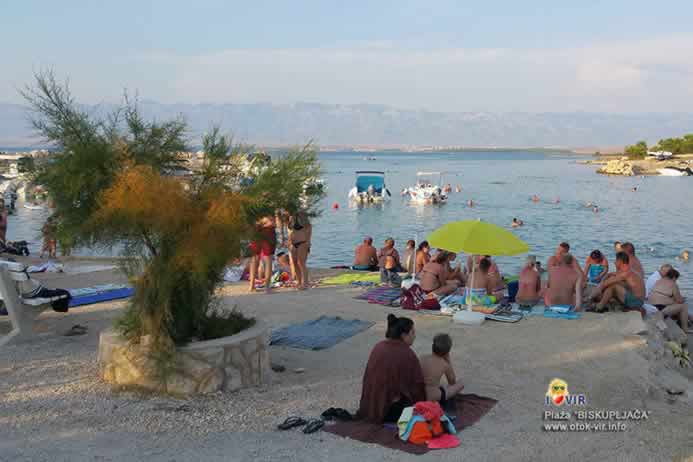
53 406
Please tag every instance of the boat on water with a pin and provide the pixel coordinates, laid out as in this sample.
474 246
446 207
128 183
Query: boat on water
675 171
369 188
427 190
660 155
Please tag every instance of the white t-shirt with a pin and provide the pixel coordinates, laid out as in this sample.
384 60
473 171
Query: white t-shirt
651 281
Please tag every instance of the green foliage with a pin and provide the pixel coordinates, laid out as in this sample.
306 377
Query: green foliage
682 145
636 151
111 186
26 165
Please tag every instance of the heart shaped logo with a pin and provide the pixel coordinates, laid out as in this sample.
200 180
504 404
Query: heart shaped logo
558 400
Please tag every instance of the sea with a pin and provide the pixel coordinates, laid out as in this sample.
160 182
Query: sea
652 212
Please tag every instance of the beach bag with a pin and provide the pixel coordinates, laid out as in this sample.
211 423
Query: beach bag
418 427
412 298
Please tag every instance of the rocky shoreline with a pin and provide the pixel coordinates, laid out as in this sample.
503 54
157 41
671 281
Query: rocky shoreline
623 166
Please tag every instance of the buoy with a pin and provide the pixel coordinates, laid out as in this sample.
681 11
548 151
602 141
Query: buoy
335 206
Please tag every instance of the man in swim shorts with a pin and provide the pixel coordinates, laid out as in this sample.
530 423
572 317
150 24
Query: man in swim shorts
625 286
564 284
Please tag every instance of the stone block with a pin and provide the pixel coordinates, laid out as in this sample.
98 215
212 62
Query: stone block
181 384
212 382
674 333
234 380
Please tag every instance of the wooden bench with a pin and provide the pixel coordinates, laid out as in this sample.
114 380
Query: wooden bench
22 311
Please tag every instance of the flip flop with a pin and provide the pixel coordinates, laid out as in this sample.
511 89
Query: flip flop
313 426
76 330
291 422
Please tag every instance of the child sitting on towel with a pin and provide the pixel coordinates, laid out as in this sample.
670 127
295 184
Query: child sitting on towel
434 366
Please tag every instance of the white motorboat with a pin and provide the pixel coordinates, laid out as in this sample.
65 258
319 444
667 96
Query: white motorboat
427 190
369 188
675 171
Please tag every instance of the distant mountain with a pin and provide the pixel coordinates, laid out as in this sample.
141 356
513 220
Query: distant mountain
375 125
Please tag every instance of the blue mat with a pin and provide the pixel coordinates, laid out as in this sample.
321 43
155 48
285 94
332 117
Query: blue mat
561 312
318 334
97 294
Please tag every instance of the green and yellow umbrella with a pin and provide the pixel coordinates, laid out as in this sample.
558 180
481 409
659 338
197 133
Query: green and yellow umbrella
476 238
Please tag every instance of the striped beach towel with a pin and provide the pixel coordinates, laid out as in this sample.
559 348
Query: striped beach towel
381 295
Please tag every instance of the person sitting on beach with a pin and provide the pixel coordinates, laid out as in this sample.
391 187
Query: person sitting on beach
410 257
480 279
434 276
564 285
437 365
389 264
366 256
423 256
596 267
516 223
529 292
563 249
666 297
634 265
625 286
283 262
656 276
393 379
455 274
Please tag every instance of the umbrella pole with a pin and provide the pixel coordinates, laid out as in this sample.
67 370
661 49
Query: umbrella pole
469 289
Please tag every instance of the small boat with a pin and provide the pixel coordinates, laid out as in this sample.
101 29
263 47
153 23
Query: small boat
660 155
427 189
675 171
369 188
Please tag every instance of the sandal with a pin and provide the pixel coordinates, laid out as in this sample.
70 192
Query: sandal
337 413
313 426
76 330
291 422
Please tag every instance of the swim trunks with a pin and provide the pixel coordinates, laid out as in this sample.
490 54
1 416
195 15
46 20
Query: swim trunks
631 301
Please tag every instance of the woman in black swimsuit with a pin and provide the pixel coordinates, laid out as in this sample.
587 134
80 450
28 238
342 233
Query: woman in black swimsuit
300 233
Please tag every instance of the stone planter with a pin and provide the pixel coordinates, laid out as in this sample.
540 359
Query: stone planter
228 363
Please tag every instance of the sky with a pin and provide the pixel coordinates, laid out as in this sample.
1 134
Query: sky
437 55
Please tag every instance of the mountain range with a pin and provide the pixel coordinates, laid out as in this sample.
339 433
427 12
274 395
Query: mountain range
376 125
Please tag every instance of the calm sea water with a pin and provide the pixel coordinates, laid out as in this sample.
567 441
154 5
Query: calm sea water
657 218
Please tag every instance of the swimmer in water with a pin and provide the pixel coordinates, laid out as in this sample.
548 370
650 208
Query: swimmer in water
535 198
557 200
470 203
684 256
635 189
595 209
517 223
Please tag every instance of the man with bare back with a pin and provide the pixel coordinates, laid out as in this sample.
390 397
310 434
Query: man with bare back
564 285
625 286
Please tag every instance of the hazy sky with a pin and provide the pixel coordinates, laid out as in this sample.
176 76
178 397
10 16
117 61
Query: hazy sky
449 55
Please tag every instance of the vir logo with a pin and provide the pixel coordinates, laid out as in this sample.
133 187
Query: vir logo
558 395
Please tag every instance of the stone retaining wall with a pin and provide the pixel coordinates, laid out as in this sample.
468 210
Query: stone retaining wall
227 364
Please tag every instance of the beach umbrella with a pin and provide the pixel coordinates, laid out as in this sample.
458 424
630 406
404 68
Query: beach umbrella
476 238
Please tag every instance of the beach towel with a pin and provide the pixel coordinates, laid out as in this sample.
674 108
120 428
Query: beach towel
464 411
347 278
561 312
380 295
318 334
